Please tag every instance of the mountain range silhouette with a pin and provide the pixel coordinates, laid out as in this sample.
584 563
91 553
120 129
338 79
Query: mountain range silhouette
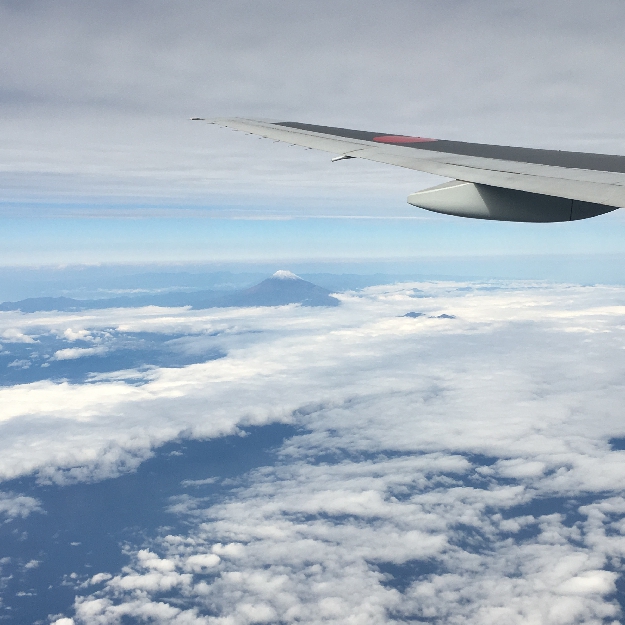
280 289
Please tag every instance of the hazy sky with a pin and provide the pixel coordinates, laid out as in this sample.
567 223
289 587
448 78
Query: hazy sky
95 99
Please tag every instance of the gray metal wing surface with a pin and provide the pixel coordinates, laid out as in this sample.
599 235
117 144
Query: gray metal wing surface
489 181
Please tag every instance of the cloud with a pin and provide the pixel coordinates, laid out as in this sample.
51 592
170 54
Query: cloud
452 472
77 335
208 480
71 353
20 364
13 335
298 562
274 368
13 506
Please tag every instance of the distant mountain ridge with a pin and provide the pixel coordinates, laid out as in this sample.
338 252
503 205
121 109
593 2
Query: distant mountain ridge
280 289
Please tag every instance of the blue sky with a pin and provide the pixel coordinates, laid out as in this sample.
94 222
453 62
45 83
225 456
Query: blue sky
62 241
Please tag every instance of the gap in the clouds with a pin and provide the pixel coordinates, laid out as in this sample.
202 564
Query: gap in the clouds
566 507
401 576
480 460
617 444
52 357
619 594
84 526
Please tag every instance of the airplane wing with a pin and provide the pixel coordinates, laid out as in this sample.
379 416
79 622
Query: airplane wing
489 181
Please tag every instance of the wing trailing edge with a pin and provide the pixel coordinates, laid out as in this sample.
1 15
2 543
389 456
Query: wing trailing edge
492 182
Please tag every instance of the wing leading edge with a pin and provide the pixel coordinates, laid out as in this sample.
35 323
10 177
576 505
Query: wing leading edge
490 181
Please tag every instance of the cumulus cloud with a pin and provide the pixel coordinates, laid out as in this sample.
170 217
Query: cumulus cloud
13 506
71 353
77 335
13 335
426 480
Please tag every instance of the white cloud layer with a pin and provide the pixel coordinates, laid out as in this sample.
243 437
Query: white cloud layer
426 449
